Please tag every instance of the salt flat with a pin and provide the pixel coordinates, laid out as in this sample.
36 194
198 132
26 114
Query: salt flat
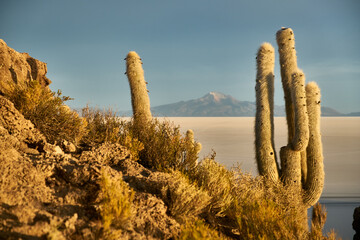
233 140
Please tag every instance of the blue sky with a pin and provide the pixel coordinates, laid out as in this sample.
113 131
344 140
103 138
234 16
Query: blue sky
188 47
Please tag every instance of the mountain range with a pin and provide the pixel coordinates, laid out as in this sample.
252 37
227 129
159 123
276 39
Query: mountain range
216 104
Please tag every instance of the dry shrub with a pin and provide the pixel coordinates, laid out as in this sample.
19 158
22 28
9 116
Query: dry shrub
263 210
198 230
184 200
104 126
157 144
48 112
318 220
164 146
217 181
115 207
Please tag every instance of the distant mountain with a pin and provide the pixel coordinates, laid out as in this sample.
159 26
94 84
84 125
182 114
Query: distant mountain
216 104
330 112
353 114
213 104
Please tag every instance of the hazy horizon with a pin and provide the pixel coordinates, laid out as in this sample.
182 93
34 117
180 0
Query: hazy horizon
233 141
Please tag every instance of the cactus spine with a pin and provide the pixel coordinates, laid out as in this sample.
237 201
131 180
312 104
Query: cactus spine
302 159
139 93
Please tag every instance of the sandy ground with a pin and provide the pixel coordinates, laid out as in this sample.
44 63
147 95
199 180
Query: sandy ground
232 138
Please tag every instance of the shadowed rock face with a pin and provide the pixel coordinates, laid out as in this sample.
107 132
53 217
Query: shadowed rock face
13 122
19 68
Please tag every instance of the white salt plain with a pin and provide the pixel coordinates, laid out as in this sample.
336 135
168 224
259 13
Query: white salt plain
232 138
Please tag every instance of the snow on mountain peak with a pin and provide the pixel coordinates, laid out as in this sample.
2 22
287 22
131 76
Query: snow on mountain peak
217 96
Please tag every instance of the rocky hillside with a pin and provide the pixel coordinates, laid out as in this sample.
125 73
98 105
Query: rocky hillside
46 192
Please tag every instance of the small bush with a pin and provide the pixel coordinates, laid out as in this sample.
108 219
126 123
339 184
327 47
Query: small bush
115 207
130 141
318 222
102 126
164 146
217 181
48 112
157 144
184 200
198 230
264 210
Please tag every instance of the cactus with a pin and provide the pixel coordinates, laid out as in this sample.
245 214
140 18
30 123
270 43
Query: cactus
301 160
139 93
189 137
264 121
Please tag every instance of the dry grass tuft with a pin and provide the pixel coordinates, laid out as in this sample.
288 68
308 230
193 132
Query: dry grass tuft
263 210
164 146
184 200
218 182
115 207
102 126
198 230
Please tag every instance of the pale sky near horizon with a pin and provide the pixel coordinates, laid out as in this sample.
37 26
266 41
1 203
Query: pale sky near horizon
188 47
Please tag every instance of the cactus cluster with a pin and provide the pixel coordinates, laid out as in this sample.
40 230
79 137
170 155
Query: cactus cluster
301 161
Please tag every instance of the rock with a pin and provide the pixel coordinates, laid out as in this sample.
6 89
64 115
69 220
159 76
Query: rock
53 149
18 127
107 153
356 223
17 69
68 147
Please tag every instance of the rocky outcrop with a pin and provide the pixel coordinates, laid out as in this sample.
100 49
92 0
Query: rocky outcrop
25 136
17 69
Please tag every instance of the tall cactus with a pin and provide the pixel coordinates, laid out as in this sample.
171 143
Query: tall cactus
139 93
302 159
264 123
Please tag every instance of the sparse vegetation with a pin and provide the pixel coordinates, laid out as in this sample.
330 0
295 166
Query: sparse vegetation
185 200
158 144
165 147
206 198
48 112
102 126
215 179
265 211
198 230
115 207
209 201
